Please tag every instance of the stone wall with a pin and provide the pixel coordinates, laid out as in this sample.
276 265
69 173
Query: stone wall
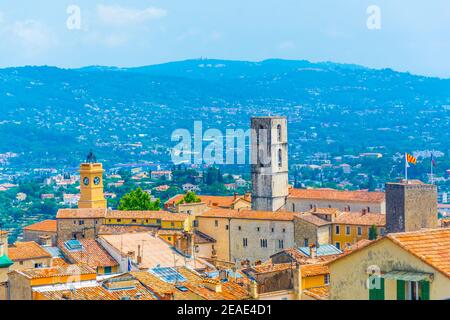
71 228
410 207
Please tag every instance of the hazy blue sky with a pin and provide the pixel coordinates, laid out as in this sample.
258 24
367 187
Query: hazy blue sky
414 34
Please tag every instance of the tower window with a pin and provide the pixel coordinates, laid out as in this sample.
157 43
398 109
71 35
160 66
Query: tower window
280 158
279 132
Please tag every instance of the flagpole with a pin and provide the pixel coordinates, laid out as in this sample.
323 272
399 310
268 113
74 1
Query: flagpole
406 167
431 167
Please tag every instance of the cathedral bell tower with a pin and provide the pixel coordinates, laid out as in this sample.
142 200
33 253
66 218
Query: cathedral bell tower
269 148
91 184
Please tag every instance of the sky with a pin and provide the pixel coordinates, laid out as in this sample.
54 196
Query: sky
405 35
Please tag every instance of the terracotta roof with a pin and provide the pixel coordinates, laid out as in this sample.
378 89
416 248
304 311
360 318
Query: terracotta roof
230 290
119 229
81 213
315 220
27 251
325 211
163 215
148 246
337 195
269 267
45 226
139 292
361 219
248 214
211 201
319 293
300 258
92 254
311 270
58 262
163 289
430 246
55 272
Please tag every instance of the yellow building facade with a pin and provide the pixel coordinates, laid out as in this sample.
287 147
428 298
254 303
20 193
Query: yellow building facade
403 266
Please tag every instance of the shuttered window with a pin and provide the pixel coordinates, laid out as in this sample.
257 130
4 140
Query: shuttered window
425 290
377 293
401 290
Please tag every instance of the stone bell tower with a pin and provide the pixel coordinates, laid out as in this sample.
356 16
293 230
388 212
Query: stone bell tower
269 163
91 184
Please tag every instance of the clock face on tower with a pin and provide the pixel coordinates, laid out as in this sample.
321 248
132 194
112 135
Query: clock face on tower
86 181
96 180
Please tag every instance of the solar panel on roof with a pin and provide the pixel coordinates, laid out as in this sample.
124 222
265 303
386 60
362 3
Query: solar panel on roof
168 274
73 245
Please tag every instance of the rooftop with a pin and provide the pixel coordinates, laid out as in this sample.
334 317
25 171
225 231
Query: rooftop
361 219
211 201
163 215
81 213
322 250
319 293
431 246
90 253
56 272
27 251
154 251
337 195
248 214
44 226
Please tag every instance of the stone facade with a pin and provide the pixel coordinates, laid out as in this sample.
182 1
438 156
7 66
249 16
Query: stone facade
39 237
78 228
303 205
411 206
307 233
247 239
269 167
263 238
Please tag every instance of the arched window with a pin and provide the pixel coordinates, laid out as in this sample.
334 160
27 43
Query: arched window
279 132
280 158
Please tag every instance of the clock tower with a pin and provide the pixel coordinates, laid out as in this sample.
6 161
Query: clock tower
91 184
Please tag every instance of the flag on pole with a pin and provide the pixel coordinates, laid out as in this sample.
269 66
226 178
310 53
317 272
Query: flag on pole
411 159
433 161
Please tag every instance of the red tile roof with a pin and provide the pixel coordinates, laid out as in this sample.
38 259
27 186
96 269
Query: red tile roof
81 213
163 215
319 293
44 226
27 251
337 195
361 219
225 202
248 214
431 246
92 254
56 272
308 217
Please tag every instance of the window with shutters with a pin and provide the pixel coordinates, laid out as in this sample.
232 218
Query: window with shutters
377 291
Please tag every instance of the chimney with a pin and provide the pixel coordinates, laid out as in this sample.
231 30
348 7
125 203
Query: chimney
235 195
313 251
139 256
298 282
212 285
253 289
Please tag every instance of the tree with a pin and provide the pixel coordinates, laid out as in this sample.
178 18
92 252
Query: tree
138 200
190 197
373 234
